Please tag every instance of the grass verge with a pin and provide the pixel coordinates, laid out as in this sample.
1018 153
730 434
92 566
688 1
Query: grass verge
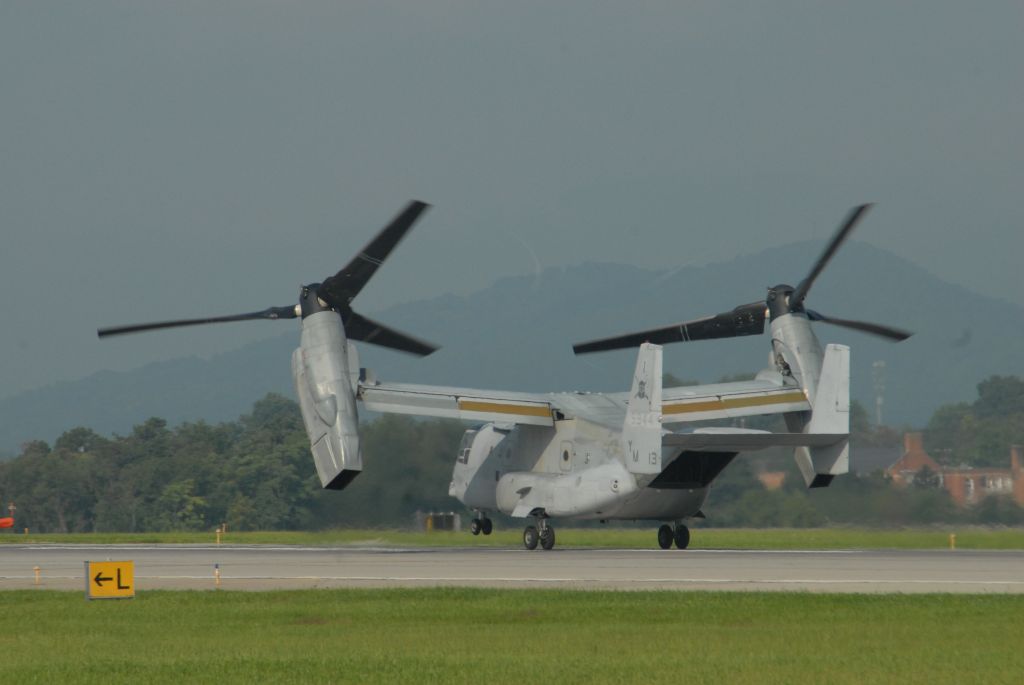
510 636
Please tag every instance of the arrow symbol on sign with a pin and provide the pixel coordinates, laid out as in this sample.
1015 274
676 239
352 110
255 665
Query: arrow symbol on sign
100 578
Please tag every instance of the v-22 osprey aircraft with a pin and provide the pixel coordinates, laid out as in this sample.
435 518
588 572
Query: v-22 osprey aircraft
637 455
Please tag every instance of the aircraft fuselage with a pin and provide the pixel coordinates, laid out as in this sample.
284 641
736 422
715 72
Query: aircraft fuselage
574 469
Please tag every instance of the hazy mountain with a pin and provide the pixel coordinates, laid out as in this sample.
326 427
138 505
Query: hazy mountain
518 332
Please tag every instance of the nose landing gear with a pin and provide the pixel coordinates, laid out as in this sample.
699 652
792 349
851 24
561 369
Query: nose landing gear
481 525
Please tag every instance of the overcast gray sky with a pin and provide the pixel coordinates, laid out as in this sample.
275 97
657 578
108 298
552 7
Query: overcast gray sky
162 160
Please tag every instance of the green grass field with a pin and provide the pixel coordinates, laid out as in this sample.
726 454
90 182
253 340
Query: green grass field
703 538
510 636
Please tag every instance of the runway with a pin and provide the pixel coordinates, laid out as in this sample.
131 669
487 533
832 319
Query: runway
261 567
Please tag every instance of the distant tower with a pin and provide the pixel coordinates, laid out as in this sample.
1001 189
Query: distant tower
878 381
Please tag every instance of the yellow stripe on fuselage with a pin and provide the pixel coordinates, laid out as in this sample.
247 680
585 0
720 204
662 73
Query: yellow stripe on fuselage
496 408
724 403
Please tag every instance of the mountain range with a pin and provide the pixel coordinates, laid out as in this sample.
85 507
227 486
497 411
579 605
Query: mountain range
517 334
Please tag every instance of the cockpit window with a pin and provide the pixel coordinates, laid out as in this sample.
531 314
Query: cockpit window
465 445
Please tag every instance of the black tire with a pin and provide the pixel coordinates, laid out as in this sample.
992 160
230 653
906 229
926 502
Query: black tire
665 536
530 537
486 526
682 536
547 538
474 526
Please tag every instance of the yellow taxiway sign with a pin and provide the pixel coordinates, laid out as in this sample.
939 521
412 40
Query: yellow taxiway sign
109 579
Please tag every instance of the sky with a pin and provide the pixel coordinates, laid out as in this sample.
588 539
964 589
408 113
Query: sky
164 160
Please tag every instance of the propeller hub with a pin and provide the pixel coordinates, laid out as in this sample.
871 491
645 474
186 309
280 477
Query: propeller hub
311 302
780 301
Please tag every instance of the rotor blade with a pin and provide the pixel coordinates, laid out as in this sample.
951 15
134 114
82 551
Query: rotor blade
340 289
271 313
852 219
872 328
747 319
358 327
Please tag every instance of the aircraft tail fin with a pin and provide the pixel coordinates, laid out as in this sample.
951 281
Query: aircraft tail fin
641 432
830 414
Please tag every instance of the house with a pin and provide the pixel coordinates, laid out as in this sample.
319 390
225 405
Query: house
913 461
967 485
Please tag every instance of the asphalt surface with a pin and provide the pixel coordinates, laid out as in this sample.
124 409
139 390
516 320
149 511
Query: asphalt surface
268 567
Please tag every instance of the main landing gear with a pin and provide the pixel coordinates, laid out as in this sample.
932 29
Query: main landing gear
667 535
481 525
542 533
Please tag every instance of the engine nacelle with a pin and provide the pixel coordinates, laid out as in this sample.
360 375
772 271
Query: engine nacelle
321 369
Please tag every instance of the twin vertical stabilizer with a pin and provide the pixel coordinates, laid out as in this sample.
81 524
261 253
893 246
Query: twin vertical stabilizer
830 413
641 432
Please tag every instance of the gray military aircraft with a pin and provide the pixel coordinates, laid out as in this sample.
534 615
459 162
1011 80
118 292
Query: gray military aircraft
575 455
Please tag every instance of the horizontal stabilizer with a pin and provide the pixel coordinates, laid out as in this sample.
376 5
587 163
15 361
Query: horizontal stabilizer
746 440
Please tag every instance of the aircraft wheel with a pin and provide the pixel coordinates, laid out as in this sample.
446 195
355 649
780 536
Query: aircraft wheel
474 526
665 536
682 536
530 537
486 526
547 537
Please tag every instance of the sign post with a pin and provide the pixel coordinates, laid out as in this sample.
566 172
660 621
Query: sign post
109 579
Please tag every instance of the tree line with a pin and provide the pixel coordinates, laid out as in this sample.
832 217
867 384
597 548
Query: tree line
256 473
979 433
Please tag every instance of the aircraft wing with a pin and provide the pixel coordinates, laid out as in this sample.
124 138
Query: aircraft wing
746 440
499 406
679 405
766 395
730 400
469 404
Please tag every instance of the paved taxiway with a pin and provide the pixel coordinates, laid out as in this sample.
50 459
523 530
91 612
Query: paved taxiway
279 567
